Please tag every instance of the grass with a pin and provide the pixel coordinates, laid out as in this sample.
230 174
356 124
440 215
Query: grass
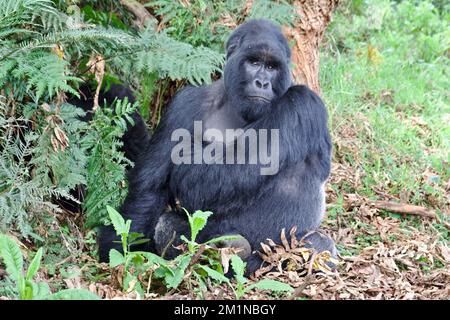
389 102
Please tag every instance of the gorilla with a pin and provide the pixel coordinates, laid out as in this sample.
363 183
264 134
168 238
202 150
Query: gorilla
255 94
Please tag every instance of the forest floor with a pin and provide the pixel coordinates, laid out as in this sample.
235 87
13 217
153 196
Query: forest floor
385 84
382 256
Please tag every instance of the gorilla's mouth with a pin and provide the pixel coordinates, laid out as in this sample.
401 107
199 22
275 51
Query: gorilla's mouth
259 98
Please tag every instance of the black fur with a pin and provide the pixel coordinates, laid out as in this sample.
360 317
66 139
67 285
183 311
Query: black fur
243 201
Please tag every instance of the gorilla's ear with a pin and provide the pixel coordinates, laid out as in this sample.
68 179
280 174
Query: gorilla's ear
232 45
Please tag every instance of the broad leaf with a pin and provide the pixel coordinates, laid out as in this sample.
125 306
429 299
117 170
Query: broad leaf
197 222
173 280
115 258
34 265
74 294
152 258
117 220
222 238
215 274
41 291
239 268
27 292
273 285
12 257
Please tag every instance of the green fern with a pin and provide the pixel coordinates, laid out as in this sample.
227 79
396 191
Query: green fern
106 164
16 15
45 73
281 11
31 171
43 55
174 59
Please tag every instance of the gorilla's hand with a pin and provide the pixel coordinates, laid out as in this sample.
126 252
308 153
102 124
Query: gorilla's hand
244 250
321 242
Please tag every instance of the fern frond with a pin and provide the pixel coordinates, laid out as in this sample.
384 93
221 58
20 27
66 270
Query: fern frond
176 60
20 12
106 164
281 11
46 73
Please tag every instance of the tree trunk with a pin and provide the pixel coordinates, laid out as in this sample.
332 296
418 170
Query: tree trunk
315 15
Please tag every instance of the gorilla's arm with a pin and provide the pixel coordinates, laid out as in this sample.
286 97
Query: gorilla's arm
147 195
302 119
148 192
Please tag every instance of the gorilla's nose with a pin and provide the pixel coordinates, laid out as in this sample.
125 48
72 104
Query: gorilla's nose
262 84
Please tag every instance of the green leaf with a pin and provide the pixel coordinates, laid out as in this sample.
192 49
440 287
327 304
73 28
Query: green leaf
201 284
127 279
41 291
34 265
117 220
22 287
222 238
215 274
273 285
238 267
115 258
127 228
136 259
12 256
137 242
197 222
192 243
152 258
173 280
74 294
132 236
27 292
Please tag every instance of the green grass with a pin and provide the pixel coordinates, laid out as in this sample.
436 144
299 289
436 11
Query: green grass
396 99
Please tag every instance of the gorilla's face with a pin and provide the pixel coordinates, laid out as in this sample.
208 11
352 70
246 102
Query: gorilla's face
261 71
257 69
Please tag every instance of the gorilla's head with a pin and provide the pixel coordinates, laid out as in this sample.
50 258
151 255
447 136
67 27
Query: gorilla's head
257 67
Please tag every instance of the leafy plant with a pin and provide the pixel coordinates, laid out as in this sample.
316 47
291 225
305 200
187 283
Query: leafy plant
45 150
197 222
197 263
242 285
136 263
133 262
26 288
106 163
208 23
37 166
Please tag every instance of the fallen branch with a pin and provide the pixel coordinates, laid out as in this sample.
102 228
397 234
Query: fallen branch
298 292
139 11
404 208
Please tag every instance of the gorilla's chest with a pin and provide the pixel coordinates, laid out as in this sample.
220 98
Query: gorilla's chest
219 126
211 136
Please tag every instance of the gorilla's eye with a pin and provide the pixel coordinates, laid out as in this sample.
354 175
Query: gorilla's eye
271 66
254 62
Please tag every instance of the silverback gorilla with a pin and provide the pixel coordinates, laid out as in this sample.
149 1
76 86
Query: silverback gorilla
256 94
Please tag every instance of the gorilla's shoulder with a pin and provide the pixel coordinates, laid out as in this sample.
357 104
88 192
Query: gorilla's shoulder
198 97
302 90
302 93
116 91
